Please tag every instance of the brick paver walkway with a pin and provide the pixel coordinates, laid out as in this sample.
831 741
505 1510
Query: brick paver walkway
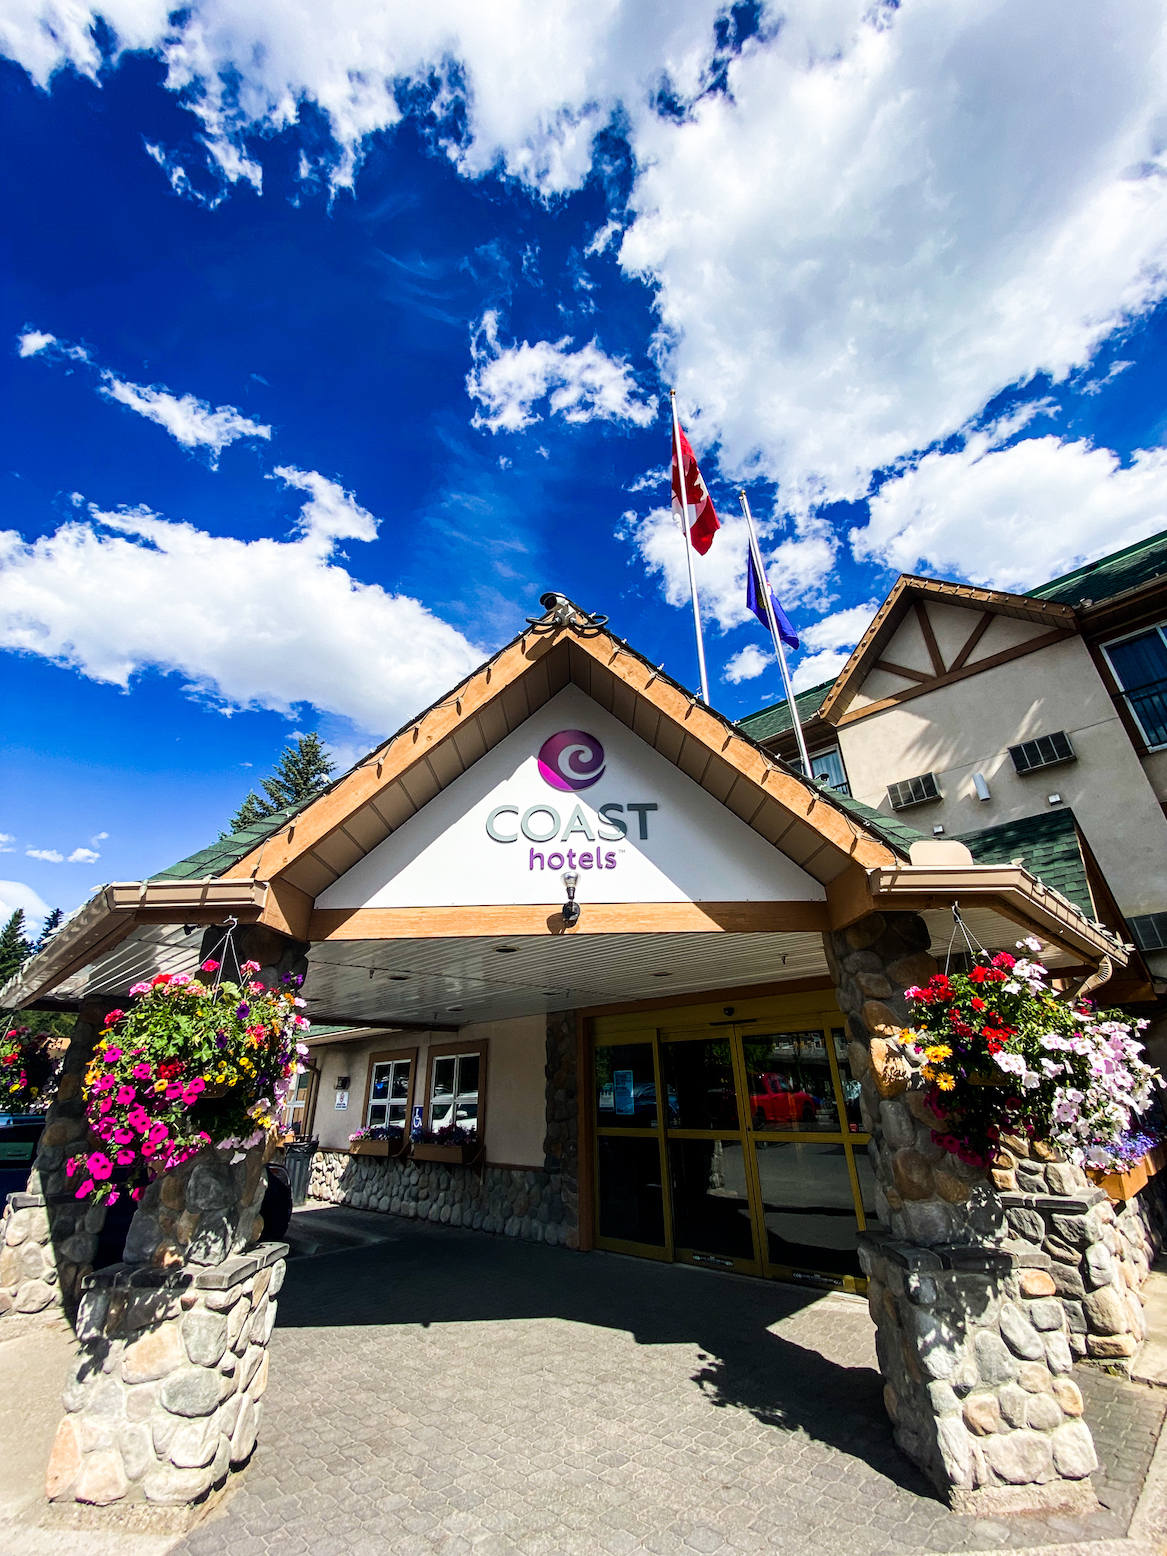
450 1393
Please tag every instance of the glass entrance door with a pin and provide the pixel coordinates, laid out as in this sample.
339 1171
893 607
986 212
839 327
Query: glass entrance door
737 1145
713 1214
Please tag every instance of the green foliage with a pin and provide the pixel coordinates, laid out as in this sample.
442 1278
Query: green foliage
302 771
27 1068
49 928
15 946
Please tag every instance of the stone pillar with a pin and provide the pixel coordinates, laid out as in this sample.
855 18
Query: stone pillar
48 1238
168 1397
561 1145
165 1396
972 1337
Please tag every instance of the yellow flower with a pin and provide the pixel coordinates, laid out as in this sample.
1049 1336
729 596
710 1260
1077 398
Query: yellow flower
159 1085
938 1053
945 1082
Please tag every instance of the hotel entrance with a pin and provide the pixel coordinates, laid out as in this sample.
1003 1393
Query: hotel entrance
731 1137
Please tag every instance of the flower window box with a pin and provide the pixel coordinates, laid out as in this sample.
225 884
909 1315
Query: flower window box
1126 1184
462 1152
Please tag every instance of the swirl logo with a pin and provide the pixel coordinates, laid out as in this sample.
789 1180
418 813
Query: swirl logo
571 760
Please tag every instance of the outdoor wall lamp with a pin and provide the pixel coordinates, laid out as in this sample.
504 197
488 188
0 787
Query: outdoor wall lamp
571 906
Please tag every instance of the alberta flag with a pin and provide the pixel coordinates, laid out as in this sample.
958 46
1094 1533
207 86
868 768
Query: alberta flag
755 601
706 523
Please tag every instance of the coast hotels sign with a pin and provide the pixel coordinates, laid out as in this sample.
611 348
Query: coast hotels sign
572 788
571 760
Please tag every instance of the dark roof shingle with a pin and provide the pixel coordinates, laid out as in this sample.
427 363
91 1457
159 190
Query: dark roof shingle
1047 846
776 720
1110 575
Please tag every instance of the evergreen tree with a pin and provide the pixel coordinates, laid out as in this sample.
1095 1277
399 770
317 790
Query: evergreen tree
51 924
15 947
302 771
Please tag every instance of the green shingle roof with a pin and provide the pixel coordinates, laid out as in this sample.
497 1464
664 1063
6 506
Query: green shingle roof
1047 846
1110 575
227 851
895 833
776 720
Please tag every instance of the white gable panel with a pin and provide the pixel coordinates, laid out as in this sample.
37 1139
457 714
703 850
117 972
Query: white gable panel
695 849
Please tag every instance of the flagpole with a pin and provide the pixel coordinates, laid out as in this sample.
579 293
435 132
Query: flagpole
688 548
764 583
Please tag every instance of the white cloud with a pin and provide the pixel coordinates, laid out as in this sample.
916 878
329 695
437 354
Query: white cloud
6 841
891 214
842 630
249 624
602 238
49 855
816 668
955 199
747 664
1011 518
536 82
799 566
190 421
34 341
100 837
83 856
580 386
15 894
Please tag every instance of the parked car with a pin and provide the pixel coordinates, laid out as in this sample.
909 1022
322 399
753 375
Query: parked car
19 1133
775 1102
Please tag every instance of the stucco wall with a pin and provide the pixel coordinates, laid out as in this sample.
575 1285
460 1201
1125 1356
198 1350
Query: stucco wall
966 727
516 1119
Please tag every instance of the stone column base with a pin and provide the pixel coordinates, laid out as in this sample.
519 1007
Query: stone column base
167 1395
974 1348
28 1263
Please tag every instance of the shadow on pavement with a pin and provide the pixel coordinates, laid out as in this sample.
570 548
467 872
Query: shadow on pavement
428 1276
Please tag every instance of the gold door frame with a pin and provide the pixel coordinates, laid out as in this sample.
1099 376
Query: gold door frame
737 1032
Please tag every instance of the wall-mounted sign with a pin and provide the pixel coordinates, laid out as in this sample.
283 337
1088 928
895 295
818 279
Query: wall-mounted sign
341 1101
572 788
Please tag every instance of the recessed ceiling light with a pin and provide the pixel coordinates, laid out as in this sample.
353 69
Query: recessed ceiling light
453 1007
398 977
662 975
506 950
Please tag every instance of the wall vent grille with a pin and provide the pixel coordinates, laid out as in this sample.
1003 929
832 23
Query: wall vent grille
1149 931
1045 751
913 791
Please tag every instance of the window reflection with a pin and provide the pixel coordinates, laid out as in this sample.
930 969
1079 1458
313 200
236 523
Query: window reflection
808 1208
699 1080
711 1204
625 1087
789 1079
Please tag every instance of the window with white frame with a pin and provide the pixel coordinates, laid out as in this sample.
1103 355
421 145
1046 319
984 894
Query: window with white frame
389 1093
1139 663
454 1083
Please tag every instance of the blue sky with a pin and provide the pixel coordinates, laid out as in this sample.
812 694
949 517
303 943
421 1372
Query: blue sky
329 342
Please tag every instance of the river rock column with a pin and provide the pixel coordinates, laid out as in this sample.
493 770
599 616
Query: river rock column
48 1238
968 1315
165 1397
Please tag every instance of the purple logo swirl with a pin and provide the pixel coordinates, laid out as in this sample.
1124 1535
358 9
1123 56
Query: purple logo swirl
571 760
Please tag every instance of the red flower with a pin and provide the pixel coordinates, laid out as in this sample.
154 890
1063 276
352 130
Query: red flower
161 978
978 1004
978 974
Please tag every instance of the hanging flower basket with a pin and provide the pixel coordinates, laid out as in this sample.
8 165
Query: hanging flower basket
1003 1054
27 1070
194 1062
1133 1173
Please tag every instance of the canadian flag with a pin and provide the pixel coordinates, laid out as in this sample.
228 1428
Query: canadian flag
706 523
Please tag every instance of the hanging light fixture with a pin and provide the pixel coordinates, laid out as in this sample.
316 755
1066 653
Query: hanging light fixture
571 906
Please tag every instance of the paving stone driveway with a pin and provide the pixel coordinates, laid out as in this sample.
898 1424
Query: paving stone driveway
445 1392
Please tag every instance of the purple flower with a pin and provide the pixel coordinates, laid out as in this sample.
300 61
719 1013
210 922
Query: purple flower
220 1039
243 1010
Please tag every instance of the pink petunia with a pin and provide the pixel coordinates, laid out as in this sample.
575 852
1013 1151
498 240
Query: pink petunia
158 1131
70 1169
126 1095
113 1198
99 1165
147 1148
112 1055
104 1105
125 1158
172 1092
197 1085
141 1072
123 1137
85 1190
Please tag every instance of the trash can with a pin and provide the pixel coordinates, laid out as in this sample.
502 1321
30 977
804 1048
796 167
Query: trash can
298 1156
